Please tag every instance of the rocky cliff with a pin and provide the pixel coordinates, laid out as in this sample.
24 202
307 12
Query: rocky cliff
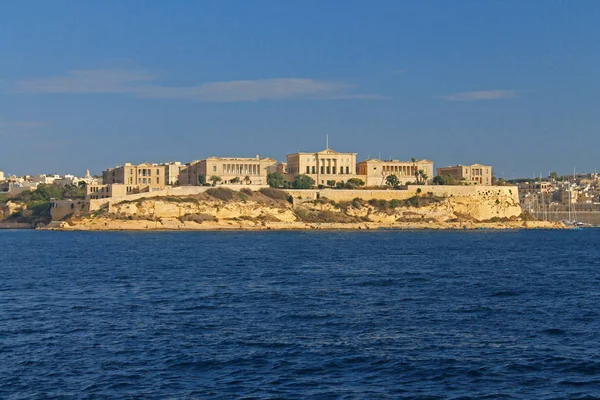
274 209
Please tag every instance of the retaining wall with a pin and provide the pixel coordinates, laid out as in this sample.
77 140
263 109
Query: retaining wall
437 190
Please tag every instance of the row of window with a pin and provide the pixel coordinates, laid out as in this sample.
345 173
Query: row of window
327 170
144 172
148 180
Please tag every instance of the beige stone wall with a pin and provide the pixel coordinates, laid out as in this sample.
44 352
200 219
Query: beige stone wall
59 209
511 192
96 204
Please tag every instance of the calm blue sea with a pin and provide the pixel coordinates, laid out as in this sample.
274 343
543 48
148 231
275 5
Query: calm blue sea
319 315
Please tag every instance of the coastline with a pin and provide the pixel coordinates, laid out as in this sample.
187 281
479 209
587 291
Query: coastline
175 225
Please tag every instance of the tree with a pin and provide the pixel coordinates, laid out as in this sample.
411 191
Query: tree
438 180
247 180
215 179
445 180
392 180
275 179
235 180
202 179
303 182
554 176
331 183
356 181
423 176
415 171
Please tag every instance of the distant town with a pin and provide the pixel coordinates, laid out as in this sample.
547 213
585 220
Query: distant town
326 169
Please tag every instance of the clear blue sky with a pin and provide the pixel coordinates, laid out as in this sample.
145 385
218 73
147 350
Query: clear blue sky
515 84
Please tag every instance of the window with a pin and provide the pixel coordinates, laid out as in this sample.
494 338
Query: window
157 171
214 168
307 169
157 180
322 169
313 169
347 170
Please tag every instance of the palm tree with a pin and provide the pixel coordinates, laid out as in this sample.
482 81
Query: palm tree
247 180
423 176
415 171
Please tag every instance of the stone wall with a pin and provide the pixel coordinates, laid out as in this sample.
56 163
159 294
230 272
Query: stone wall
169 191
511 192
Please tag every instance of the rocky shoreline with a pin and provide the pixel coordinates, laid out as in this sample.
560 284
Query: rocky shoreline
105 224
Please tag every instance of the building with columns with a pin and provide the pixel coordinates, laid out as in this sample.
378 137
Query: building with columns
477 173
323 166
376 171
246 170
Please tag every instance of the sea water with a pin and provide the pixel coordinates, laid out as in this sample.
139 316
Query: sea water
315 314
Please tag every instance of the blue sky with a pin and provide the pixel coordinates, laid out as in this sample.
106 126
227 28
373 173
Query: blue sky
515 84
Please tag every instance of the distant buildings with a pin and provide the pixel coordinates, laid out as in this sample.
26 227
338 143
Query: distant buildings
1 176
376 171
172 171
229 170
476 173
323 166
128 179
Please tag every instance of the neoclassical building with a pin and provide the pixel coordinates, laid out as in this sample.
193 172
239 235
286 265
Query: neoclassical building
376 171
246 170
476 173
323 166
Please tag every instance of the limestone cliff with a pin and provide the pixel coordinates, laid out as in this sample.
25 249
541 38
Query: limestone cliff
274 209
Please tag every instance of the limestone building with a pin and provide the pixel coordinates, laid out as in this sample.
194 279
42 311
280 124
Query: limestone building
172 170
376 171
128 179
477 173
323 166
151 175
282 168
230 169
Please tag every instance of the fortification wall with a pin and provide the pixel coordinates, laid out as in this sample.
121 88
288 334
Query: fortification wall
511 192
169 191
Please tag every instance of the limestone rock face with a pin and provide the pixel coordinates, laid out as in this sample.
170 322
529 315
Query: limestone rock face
255 212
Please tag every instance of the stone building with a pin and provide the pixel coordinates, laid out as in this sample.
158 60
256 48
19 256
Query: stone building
172 171
282 168
128 179
151 175
477 173
243 170
376 171
323 166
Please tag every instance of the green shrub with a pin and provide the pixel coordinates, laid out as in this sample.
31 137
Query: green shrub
395 203
247 191
275 194
221 193
198 218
